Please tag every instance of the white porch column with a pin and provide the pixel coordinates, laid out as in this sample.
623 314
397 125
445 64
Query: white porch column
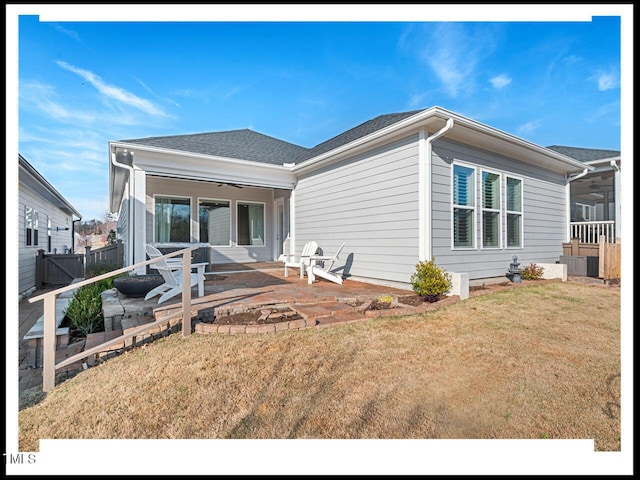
139 221
617 208
423 201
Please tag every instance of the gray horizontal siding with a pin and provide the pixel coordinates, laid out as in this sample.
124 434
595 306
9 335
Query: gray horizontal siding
59 239
370 202
543 213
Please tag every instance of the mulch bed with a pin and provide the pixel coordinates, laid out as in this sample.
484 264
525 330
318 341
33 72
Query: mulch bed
411 300
263 316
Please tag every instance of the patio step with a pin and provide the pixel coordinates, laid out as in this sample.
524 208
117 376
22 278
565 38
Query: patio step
35 336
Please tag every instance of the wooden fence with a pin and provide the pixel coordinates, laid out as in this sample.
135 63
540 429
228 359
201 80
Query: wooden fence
609 255
610 264
62 268
113 254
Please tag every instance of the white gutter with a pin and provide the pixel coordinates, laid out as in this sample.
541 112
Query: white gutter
580 175
131 223
426 115
614 164
425 249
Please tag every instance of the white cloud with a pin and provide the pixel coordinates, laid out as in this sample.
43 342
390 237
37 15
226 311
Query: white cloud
607 81
45 98
416 100
148 89
453 51
528 128
571 59
68 33
607 109
113 92
500 81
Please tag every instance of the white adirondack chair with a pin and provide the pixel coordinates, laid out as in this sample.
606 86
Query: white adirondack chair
324 271
172 274
290 260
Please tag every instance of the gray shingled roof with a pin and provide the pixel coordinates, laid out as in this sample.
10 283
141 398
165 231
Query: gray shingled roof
360 131
253 146
239 144
584 154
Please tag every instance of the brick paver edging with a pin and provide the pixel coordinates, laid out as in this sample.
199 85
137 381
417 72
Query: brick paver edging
241 329
359 314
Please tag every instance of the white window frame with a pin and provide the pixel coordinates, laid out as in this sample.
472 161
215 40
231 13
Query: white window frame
48 234
264 222
207 199
492 210
178 197
473 208
31 226
507 211
586 208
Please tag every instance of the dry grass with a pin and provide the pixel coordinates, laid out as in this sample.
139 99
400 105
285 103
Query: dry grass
541 361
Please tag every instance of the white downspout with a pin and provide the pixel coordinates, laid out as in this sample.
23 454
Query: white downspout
131 227
568 201
425 235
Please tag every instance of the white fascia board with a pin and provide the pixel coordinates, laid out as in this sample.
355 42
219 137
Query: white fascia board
510 143
367 142
36 182
172 163
465 130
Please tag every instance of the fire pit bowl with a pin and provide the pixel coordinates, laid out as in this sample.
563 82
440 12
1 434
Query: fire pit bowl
137 285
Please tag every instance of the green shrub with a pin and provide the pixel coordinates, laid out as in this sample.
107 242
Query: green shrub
85 309
101 268
430 281
532 272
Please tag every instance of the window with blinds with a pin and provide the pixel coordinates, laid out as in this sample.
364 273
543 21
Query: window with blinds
514 212
464 205
491 210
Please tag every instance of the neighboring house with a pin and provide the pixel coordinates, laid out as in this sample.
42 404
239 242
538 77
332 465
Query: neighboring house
595 194
397 189
45 222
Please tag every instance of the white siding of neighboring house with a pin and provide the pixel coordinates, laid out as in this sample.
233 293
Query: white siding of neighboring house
543 210
370 202
196 190
59 239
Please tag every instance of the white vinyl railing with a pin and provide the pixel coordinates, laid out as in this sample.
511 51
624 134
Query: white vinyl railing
590 232
49 365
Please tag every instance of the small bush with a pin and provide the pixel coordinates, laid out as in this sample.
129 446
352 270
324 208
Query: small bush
430 281
85 309
385 299
532 272
96 269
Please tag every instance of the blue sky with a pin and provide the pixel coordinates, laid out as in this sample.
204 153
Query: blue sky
80 76
83 83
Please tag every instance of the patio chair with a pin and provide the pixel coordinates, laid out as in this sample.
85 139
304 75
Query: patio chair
324 271
290 260
153 252
172 275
